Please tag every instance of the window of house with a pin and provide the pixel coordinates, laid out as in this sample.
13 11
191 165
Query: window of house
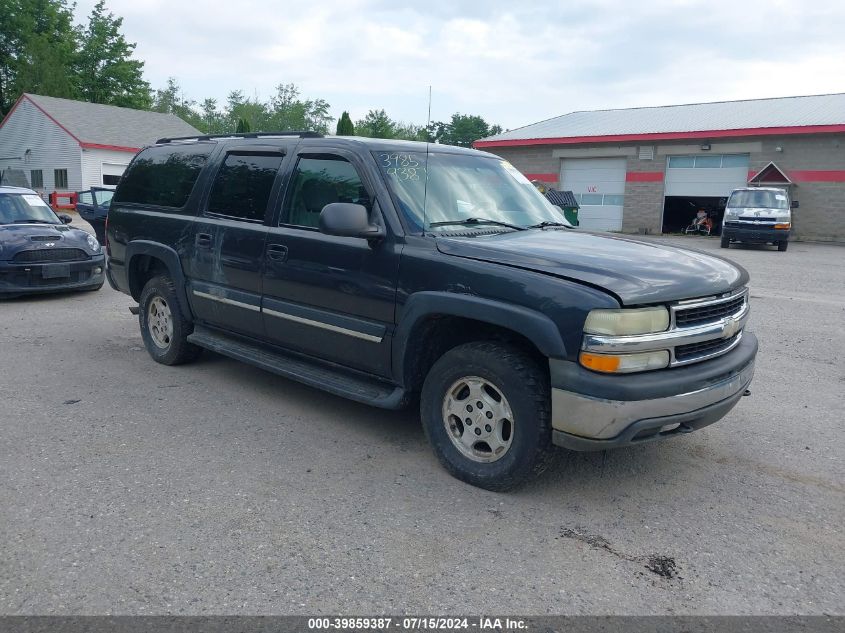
321 181
36 177
60 178
242 187
110 179
163 176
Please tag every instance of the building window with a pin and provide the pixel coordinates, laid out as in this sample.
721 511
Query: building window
60 178
36 177
711 161
110 179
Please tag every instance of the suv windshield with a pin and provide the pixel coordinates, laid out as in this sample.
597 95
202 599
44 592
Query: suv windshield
479 191
18 208
760 199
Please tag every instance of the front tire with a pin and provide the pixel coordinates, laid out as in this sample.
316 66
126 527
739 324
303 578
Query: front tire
164 326
782 245
486 411
725 242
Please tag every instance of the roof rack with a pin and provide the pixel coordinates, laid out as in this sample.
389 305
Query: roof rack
209 137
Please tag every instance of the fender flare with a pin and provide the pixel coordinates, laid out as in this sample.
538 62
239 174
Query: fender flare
171 260
533 325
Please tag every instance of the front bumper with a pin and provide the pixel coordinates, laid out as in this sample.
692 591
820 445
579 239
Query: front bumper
595 412
755 234
29 278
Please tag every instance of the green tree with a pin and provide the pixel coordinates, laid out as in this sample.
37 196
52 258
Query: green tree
287 111
243 126
170 100
37 49
106 72
462 130
213 121
376 124
345 126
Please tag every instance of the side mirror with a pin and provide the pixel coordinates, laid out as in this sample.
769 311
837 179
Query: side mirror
65 218
346 219
794 204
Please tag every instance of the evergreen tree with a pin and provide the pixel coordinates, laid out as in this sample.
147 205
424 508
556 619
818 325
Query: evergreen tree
106 72
345 126
243 126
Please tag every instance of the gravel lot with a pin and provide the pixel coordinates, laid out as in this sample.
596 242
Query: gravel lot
134 488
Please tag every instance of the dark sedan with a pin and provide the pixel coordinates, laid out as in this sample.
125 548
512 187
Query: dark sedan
39 253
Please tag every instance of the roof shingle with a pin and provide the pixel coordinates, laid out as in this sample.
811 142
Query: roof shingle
100 124
695 117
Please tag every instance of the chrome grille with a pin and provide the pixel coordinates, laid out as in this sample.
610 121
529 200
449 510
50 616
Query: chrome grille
700 314
707 348
50 255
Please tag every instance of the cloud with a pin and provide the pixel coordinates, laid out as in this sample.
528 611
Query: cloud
513 63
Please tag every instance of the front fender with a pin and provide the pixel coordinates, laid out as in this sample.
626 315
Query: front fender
533 325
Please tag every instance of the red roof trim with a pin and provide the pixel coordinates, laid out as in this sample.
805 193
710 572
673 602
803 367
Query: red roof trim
644 176
114 148
9 113
667 136
542 177
47 114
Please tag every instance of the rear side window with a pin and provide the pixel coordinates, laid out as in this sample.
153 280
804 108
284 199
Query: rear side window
163 176
242 187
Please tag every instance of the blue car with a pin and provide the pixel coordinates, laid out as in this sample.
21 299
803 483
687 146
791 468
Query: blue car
39 253
93 207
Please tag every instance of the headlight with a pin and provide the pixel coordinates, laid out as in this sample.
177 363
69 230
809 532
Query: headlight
625 363
93 244
627 322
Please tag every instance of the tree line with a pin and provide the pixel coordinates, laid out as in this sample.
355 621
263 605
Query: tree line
43 52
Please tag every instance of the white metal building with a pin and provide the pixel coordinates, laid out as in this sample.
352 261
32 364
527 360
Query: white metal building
65 145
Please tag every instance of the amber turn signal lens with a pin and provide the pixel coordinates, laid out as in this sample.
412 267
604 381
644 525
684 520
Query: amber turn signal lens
782 225
600 362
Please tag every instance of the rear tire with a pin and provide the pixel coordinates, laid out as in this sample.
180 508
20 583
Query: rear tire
725 242
164 326
482 446
782 245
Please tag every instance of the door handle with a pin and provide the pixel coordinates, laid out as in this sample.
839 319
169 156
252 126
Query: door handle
203 240
277 252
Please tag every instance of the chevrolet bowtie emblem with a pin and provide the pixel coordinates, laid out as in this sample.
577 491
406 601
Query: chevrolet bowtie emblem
730 328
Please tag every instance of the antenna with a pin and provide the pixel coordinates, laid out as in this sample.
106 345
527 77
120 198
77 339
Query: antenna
425 184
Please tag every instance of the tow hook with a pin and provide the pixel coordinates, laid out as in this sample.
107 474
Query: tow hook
747 392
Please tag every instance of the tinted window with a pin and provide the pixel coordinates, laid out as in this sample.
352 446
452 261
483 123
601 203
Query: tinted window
163 176
321 181
242 187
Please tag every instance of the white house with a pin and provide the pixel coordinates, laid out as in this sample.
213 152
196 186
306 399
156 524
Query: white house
65 145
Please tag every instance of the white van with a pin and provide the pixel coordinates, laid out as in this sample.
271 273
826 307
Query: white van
758 215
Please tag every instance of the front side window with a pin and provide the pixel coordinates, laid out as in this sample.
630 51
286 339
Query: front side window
318 181
86 197
447 188
163 176
242 187
60 178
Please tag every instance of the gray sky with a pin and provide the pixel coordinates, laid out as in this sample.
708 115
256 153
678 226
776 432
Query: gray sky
513 62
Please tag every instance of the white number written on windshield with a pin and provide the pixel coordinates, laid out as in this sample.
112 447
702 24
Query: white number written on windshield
402 166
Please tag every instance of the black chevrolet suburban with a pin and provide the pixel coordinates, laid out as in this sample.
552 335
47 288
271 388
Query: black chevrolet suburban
395 273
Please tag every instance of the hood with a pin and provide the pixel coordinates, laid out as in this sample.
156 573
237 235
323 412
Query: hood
637 272
21 237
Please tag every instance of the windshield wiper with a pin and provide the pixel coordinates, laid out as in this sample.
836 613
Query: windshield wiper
545 223
471 221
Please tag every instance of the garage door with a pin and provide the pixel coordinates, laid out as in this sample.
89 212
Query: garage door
599 187
703 175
